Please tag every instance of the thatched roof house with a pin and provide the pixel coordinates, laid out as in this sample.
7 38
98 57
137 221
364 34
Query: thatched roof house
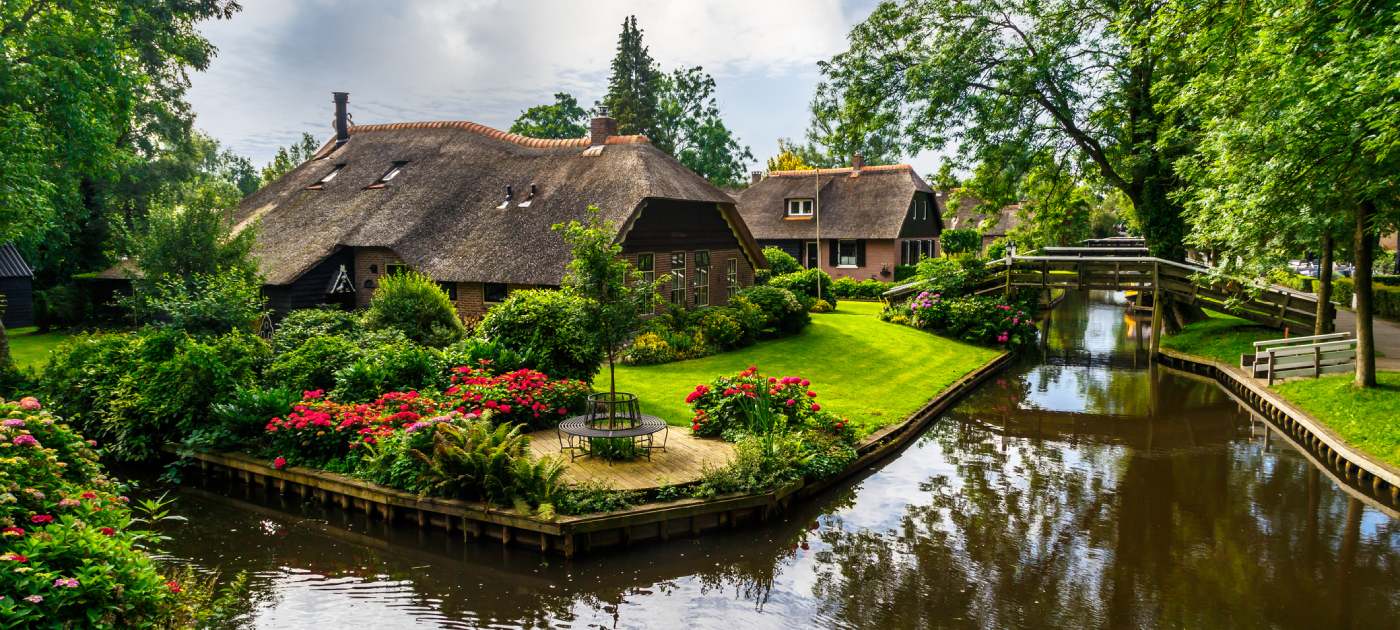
472 207
872 218
967 216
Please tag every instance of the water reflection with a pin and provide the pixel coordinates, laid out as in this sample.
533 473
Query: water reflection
1077 490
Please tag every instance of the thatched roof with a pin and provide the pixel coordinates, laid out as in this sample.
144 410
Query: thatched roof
966 215
442 213
871 203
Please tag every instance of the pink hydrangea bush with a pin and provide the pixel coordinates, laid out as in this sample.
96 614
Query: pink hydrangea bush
522 396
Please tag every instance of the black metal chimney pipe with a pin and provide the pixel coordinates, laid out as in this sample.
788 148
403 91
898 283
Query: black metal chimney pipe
342 123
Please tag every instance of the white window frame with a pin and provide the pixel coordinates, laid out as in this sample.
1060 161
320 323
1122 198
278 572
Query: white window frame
841 255
678 279
801 207
811 252
649 270
731 277
702 277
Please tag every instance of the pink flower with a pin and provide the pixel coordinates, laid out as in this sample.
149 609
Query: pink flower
30 403
14 422
20 558
25 440
40 519
12 531
811 394
88 495
107 531
806 383
816 407
1002 338
791 402
67 503
279 463
34 599
66 582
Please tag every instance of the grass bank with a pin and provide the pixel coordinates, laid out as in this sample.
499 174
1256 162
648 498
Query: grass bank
1368 419
870 371
30 348
1221 337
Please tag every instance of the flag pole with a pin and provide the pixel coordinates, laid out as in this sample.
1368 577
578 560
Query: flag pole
817 210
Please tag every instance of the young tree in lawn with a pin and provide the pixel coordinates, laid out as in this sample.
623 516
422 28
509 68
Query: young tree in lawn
1300 131
563 119
618 296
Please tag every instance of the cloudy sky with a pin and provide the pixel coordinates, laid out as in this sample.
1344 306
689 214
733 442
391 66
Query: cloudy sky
486 60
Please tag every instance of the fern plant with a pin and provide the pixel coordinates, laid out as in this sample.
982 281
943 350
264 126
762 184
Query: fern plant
473 460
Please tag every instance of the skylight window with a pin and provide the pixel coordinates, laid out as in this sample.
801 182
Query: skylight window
328 177
388 175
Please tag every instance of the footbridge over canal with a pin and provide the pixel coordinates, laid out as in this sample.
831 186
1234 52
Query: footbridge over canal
1130 268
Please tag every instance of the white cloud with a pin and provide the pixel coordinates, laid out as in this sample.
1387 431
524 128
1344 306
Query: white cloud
485 60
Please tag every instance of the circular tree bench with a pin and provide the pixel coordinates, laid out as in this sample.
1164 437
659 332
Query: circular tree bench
576 433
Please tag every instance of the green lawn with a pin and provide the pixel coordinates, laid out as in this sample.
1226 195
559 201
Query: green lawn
870 371
30 349
1368 419
1221 337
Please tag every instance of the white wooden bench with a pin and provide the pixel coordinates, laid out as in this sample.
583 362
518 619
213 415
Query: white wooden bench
1301 356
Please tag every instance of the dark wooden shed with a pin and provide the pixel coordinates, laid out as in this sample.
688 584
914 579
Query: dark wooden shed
17 285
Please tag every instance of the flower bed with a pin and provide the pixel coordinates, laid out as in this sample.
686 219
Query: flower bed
978 319
70 553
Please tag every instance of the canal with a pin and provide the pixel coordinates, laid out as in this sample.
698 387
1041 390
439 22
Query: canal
1080 488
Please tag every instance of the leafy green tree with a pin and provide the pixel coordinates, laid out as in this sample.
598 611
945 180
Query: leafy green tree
564 119
617 294
699 138
290 157
192 234
845 123
790 157
1300 132
960 241
1073 77
634 88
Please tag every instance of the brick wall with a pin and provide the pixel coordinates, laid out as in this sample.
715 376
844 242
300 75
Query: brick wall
879 254
371 263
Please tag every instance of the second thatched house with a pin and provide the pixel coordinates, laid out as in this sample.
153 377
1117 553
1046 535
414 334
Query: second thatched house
472 207
858 222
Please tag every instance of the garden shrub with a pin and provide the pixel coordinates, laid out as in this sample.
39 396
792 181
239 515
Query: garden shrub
415 304
133 391
649 349
719 328
804 285
749 316
985 320
204 303
525 397
821 306
313 363
477 460
960 241
594 496
721 407
548 329
758 465
239 420
302 325
905 272
780 262
951 276
998 248
70 554
783 314
850 288
393 366
1384 299
482 353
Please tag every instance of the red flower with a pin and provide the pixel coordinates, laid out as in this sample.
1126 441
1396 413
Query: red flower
40 519
107 531
12 531
816 407
811 394
89 495
20 558
279 463
173 586
695 427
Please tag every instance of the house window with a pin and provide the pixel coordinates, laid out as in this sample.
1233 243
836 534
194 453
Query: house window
731 277
810 257
678 278
395 269
799 207
845 253
493 292
702 278
329 176
904 252
646 263
450 288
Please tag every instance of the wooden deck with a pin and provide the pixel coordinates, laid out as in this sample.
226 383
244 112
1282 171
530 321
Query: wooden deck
683 461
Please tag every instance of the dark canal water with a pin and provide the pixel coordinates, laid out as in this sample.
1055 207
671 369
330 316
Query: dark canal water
1080 489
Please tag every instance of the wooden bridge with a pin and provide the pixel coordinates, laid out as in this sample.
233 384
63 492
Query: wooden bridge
1116 268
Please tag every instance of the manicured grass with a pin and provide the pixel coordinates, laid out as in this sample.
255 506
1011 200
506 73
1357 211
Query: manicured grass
30 348
1368 419
1221 337
872 372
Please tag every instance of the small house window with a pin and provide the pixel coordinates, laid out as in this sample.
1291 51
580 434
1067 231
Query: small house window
328 177
678 278
646 263
494 292
450 288
799 207
846 253
702 278
394 269
731 277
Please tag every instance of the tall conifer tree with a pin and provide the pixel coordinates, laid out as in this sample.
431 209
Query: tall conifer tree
634 88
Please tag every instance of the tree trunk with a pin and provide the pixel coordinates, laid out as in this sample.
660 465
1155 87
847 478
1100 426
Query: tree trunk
5 359
1361 279
1324 284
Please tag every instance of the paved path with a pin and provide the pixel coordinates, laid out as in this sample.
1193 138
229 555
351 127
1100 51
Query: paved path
1387 338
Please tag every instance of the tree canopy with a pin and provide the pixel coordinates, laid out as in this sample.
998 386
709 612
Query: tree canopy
634 88
562 119
290 157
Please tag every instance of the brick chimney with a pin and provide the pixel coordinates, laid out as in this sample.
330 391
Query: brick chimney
601 127
342 117
755 177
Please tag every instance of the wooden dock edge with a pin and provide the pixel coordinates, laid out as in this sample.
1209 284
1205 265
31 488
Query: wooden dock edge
568 535
1329 448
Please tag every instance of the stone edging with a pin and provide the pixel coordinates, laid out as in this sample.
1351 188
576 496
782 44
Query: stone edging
568 535
1350 463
